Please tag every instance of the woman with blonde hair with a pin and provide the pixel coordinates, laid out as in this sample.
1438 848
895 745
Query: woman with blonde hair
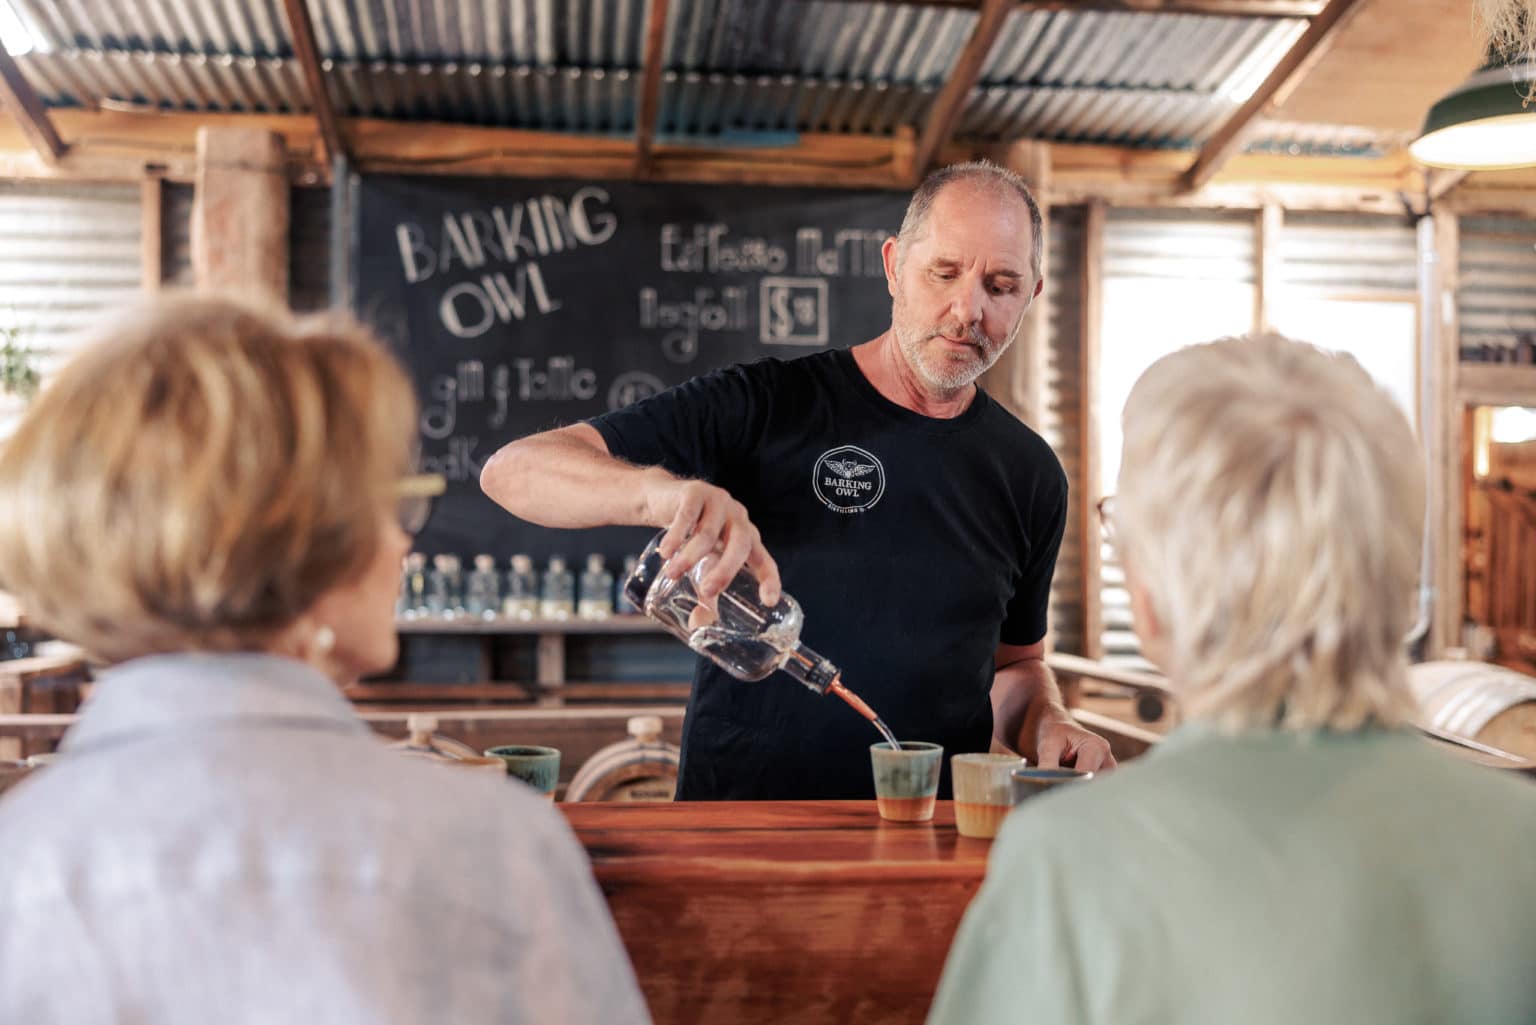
1292 852
208 498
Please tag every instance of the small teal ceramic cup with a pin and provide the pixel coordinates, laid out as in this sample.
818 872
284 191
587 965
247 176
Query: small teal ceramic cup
906 781
539 767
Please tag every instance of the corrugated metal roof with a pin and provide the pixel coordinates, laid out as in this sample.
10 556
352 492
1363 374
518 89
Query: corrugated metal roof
734 67
253 28
856 41
174 81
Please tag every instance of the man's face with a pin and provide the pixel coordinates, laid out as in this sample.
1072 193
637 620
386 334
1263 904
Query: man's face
961 288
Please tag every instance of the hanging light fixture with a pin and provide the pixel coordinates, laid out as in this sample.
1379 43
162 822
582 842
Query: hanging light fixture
1485 123
1489 121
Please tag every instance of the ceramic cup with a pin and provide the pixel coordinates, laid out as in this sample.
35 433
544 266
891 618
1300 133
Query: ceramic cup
983 792
906 781
1027 782
539 767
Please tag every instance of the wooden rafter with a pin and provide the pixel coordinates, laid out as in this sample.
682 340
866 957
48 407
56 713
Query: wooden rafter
17 96
1293 67
308 55
947 106
1209 8
650 84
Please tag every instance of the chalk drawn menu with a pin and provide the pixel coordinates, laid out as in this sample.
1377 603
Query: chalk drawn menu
522 304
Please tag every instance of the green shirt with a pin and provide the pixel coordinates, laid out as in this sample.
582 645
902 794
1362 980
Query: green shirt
1304 879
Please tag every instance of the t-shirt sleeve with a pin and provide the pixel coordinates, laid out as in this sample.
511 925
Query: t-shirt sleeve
1025 622
697 429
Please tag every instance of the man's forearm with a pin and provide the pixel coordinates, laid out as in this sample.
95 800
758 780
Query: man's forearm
1024 693
556 480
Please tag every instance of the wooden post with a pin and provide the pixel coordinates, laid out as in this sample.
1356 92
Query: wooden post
1089 530
151 233
1445 493
1271 220
1017 380
240 217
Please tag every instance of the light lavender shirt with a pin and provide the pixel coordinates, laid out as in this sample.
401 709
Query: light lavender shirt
224 840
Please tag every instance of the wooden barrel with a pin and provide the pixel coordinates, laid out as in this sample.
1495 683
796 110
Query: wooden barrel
1487 703
643 768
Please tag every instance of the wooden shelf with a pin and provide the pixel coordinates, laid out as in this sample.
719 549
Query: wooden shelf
503 692
1496 384
627 624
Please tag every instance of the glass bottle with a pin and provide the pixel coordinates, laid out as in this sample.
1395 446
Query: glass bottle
482 592
445 587
621 604
412 602
736 631
595 597
521 598
557 597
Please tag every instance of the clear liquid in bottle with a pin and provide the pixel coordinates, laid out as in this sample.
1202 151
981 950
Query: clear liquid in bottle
737 631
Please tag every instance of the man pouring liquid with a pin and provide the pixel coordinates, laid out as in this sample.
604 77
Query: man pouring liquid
915 519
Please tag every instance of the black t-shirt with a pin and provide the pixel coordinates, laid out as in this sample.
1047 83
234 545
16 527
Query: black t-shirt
914 545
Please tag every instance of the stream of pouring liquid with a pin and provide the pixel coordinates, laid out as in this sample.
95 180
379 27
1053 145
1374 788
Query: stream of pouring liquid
858 705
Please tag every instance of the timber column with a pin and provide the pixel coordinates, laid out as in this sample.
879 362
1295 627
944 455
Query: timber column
240 217
1017 380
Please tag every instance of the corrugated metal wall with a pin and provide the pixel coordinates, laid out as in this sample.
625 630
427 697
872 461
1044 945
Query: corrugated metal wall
1175 247
1349 255
1062 425
1497 299
66 253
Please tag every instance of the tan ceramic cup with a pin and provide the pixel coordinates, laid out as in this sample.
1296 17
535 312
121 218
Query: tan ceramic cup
983 792
906 780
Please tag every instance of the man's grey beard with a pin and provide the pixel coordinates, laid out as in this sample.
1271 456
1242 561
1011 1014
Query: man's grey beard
950 377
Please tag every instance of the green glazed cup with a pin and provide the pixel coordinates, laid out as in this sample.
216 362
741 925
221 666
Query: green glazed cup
906 780
539 767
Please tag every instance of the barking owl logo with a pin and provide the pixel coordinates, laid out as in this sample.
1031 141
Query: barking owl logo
848 479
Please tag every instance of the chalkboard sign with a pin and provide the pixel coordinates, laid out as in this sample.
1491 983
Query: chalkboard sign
520 305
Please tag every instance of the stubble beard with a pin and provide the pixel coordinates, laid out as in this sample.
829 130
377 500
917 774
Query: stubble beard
940 371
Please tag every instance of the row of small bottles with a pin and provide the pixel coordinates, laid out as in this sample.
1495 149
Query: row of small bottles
446 592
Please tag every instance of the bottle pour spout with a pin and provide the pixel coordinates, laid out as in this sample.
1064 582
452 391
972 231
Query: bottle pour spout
815 672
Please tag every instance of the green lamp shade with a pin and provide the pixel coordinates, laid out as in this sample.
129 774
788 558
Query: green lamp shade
1483 124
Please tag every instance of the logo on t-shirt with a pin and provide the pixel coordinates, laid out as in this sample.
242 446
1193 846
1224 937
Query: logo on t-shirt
848 479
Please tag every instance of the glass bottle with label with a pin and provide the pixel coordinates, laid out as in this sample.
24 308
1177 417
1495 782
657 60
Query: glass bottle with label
621 604
412 602
520 600
557 597
445 587
595 596
482 593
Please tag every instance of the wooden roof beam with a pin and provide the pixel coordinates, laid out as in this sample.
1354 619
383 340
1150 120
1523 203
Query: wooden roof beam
1293 67
18 96
305 50
650 84
947 107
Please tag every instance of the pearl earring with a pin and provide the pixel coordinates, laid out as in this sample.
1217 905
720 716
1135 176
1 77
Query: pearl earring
323 640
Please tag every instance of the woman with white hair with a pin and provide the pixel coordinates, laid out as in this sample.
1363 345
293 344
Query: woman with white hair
209 498
1293 852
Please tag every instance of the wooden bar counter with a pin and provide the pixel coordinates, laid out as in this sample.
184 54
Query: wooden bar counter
782 912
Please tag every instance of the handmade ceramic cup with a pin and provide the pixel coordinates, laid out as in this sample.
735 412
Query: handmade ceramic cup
983 791
906 781
539 767
1027 782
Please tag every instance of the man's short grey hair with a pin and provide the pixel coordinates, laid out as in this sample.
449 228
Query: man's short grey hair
979 172
1271 505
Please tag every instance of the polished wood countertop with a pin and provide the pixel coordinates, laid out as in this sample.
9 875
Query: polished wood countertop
803 912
